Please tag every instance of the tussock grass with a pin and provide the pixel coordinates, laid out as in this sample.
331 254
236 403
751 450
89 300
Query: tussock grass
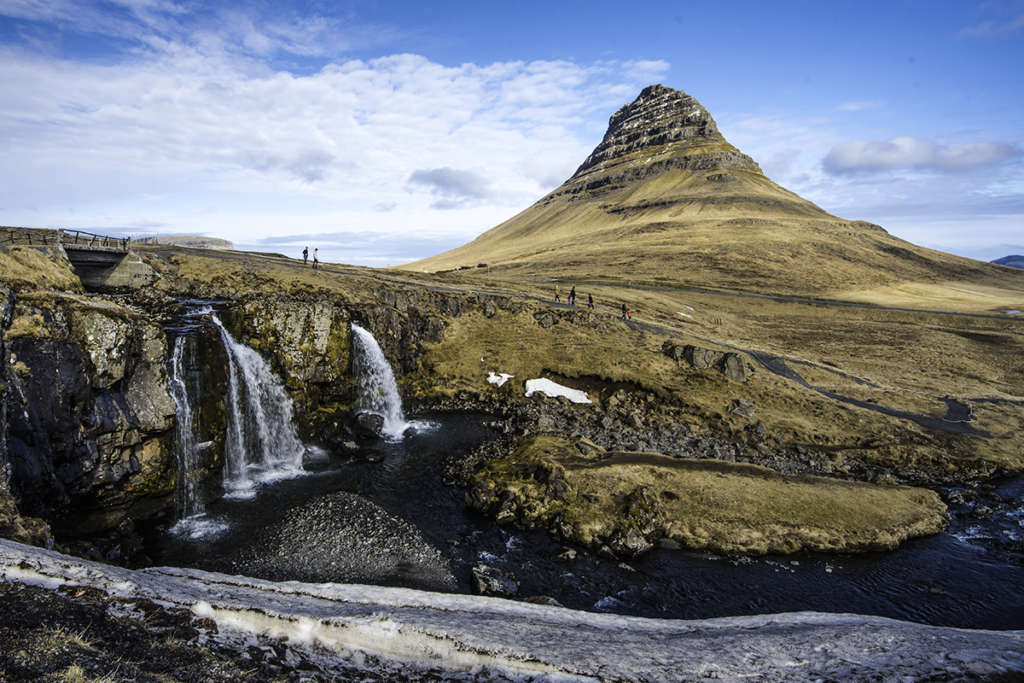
718 506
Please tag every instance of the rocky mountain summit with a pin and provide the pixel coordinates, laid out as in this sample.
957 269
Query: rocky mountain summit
666 128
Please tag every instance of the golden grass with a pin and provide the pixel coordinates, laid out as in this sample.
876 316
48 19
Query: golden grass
28 267
725 507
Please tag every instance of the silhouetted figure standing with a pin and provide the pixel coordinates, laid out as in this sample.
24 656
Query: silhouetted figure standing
572 296
625 312
590 301
305 255
316 260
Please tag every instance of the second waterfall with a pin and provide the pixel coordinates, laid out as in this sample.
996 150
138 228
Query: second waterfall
261 442
378 391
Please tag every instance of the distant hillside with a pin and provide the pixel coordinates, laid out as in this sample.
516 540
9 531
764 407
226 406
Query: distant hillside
190 241
1014 261
665 199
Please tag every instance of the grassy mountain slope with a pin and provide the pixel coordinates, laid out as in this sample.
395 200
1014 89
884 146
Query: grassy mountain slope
665 199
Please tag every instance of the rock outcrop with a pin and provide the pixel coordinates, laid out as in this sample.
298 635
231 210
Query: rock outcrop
89 414
667 129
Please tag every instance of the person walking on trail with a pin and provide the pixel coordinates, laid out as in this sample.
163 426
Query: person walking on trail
558 294
625 312
572 296
305 255
590 301
316 260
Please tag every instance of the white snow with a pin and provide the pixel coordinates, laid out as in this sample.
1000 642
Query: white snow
685 315
404 633
553 389
498 378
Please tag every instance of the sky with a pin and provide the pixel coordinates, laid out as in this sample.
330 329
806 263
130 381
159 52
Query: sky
383 132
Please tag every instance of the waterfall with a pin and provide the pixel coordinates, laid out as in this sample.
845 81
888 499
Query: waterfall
261 442
377 388
185 452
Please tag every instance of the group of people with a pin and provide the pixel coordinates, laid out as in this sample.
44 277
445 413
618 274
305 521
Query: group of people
571 299
316 258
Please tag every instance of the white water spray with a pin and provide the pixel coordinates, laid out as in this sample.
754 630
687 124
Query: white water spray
261 442
189 504
378 391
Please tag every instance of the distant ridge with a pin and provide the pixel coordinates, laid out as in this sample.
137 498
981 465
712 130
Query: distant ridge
190 241
1014 261
666 199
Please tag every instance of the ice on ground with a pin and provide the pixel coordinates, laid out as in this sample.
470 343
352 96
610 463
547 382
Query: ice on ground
553 389
400 633
685 315
498 378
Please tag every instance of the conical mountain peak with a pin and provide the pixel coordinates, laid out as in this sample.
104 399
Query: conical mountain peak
665 199
663 128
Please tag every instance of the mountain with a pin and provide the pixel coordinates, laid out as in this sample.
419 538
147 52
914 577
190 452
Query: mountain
1014 261
666 199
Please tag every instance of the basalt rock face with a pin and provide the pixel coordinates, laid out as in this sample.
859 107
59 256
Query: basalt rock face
665 128
89 415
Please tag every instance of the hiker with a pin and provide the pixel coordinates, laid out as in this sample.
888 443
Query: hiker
316 260
629 314
590 301
558 294
572 296
625 311
305 255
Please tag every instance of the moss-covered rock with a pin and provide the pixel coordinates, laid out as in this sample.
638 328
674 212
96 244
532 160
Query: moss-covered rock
622 503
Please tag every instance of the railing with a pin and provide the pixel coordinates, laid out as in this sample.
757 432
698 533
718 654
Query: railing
69 238
27 236
80 238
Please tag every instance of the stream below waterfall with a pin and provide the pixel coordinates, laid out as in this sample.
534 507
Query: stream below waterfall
390 520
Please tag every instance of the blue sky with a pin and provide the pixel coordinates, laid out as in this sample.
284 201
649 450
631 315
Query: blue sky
384 132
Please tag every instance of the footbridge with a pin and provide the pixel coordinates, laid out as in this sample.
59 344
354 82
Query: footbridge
102 262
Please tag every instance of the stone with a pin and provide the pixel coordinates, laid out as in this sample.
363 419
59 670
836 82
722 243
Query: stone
368 425
735 367
488 580
545 319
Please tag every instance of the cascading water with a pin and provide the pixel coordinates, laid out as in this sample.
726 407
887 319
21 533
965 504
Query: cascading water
377 388
261 442
186 454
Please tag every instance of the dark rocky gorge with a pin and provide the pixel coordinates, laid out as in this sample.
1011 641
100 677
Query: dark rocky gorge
90 467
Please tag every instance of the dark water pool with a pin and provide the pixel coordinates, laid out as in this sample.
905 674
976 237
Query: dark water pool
971 576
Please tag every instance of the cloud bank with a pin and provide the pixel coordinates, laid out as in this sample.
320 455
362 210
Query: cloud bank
207 123
906 152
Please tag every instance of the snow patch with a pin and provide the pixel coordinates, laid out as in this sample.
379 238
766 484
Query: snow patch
553 390
498 378
685 315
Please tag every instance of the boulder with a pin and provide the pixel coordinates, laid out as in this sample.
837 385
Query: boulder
488 580
368 425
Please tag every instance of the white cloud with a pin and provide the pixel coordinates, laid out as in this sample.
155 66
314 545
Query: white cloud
199 137
995 29
860 105
906 152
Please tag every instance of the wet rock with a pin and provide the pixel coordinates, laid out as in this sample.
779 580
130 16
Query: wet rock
368 425
568 555
981 512
488 580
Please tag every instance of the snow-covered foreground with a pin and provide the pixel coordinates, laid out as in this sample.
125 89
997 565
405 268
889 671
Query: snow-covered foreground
393 629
